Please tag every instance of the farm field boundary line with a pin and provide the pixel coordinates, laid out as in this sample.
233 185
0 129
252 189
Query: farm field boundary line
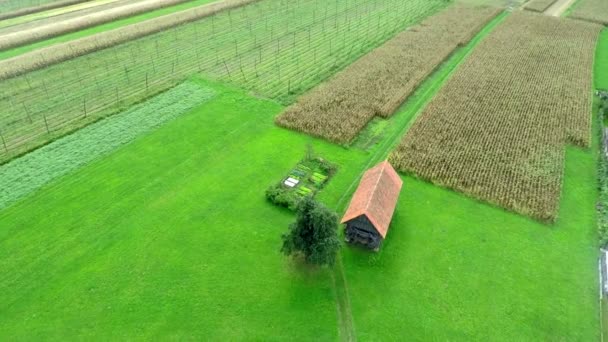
27 174
41 8
50 30
270 50
55 54
40 18
539 5
401 122
523 170
379 82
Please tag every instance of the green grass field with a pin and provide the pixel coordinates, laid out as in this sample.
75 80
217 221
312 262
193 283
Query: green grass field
101 28
170 237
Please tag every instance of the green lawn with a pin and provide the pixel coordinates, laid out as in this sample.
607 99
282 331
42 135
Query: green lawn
170 237
101 28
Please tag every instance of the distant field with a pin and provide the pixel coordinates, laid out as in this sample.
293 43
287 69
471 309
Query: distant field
101 28
276 51
16 8
539 5
63 10
591 10
56 26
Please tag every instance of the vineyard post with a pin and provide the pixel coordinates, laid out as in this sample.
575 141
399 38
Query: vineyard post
227 70
27 112
46 124
3 142
241 67
46 90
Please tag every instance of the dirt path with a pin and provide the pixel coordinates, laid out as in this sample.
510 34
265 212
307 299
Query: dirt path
558 8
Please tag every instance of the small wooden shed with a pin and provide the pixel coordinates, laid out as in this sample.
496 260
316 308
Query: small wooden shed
370 212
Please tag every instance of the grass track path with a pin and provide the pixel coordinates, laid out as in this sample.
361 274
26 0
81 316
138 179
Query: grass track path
402 121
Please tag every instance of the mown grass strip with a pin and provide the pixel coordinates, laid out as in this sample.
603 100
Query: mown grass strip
16 8
539 5
31 172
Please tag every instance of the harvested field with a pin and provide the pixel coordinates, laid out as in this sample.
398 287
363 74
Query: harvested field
16 8
42 32
591 10
498 128
271 48
539 5
378 83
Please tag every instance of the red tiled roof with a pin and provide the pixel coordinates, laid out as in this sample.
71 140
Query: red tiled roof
376 197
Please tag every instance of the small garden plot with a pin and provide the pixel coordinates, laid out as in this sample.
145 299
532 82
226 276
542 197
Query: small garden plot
307 178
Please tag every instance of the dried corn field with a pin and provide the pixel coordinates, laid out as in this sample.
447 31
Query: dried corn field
379 82
539 5
591 10
497 130
276 48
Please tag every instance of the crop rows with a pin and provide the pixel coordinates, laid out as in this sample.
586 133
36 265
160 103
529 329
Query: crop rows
378 83
41 32
539 5
591 10
15 8
498 128
276 48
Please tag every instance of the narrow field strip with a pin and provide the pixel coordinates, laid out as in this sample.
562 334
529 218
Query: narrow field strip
17 8
274 51
379 82
50 30
31 172
60 14
595 11
539 5
498 128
